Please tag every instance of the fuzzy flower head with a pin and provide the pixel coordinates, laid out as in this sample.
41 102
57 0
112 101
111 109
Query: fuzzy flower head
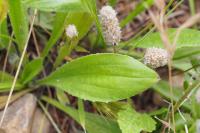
156 57
110 25
198 96
71 31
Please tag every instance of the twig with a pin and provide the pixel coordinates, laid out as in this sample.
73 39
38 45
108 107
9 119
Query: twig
50 118
36 43
18 70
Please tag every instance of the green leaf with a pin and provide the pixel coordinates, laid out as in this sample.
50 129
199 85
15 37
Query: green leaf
5 86
93 123
6 81
62 97
187 38
186 52
4 31
102 77
56 5
64 50
5 77
182 64
138 9
58 27
31 70
160 111
81 49
132 122
19 21
81 113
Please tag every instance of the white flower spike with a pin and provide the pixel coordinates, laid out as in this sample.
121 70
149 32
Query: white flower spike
71 31
156 57
110 25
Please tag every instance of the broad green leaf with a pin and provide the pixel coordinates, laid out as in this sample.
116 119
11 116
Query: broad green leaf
58 28
187 38
102 77
31 70
56 5
132 122
93 123
138 9
19 21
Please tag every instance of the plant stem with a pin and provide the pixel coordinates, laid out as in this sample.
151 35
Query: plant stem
192 7
169 4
